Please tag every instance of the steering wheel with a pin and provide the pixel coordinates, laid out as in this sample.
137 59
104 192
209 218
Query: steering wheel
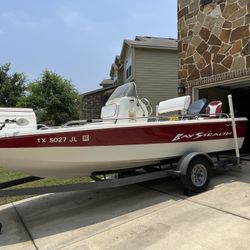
146 102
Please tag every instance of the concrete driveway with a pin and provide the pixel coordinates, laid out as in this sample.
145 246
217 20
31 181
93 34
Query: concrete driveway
154 215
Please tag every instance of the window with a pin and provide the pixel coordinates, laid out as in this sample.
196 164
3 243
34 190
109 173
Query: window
128 71
128 66
115 76
204 2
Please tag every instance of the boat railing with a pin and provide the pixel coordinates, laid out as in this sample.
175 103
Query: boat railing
150 119
159 118
80 122
190 117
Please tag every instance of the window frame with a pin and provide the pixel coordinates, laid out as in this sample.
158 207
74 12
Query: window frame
128 65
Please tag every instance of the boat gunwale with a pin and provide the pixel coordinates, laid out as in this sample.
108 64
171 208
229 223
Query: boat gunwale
98 126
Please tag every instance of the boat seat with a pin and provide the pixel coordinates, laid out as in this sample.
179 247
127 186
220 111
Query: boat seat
214 108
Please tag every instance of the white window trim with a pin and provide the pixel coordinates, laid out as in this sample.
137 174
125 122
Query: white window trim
128 65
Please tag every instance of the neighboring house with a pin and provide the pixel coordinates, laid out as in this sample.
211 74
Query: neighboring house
214 50
107 83
92 102
150 62
116 71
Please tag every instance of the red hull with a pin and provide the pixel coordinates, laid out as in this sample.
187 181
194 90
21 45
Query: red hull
133 135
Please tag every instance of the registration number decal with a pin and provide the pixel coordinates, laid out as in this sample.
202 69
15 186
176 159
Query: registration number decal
63 139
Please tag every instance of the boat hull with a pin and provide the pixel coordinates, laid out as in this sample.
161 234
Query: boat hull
69 162
72 152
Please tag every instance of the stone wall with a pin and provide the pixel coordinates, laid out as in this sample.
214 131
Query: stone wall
92 103
213 39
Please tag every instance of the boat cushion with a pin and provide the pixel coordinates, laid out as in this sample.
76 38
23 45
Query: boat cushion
176 104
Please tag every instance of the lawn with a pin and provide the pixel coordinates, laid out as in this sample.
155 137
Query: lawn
6 175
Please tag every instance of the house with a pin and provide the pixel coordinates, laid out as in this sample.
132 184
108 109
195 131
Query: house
116 71
214 51
107 83
92 102
151 62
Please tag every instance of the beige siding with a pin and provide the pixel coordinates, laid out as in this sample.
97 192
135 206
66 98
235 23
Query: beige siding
120 77
156 74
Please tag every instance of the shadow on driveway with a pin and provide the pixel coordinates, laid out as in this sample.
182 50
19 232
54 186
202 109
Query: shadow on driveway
58 219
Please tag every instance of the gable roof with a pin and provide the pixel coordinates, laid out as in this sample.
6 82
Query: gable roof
148 42
106 83
104 90
115 66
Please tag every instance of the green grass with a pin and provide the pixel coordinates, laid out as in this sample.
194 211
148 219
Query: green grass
7 175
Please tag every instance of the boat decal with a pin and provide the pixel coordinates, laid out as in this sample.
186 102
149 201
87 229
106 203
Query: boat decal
63 139
200 135
85 138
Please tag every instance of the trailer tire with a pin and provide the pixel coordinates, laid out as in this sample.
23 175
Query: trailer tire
198 175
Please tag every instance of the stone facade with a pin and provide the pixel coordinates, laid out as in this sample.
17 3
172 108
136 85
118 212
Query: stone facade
214 39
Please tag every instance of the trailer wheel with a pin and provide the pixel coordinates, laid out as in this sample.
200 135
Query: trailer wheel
198 175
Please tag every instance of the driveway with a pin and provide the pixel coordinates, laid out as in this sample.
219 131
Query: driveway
154 215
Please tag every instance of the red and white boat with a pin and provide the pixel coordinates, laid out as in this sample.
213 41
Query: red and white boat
124 138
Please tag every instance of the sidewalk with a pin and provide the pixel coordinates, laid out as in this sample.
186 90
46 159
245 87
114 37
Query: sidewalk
153 216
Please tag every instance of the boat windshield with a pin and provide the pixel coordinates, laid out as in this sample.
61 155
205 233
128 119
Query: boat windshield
128 89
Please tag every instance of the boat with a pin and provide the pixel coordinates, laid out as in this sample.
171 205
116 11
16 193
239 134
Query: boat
125 137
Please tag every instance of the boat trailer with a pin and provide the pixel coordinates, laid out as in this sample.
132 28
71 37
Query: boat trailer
193 168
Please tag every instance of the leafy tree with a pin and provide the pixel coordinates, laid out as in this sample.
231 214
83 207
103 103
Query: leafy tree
12 86
53 98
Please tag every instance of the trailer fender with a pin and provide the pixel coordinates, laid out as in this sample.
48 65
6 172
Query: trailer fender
187 158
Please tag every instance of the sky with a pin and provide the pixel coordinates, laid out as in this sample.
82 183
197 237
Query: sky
77 39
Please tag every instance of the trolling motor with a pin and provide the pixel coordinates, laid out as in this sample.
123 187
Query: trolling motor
19 122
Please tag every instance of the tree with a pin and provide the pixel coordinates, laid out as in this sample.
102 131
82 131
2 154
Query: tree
12 86
53 98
